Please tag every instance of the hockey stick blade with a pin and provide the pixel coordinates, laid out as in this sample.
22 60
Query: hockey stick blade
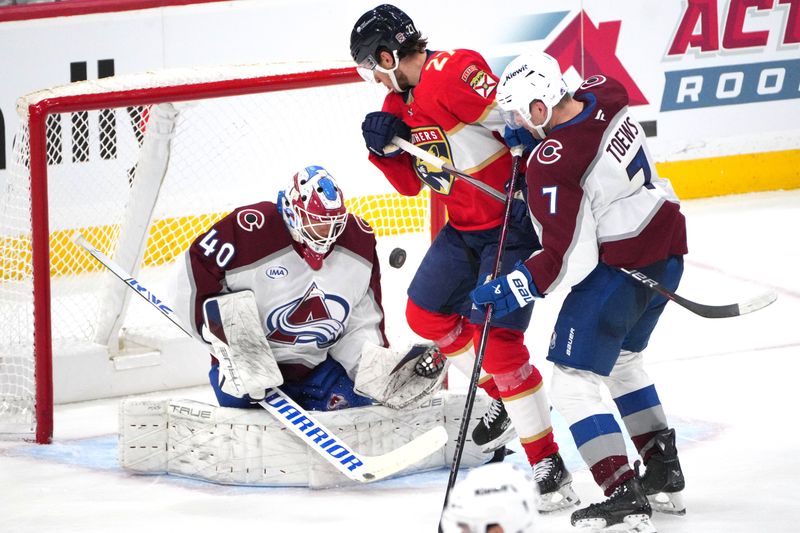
362 468
704 310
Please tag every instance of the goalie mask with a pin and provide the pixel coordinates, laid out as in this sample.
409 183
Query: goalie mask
527 78
314 212
498 494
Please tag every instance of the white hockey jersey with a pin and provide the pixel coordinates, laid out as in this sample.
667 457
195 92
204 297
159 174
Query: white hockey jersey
595 195
305 313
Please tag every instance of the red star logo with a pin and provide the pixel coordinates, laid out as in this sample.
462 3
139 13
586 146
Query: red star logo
599 55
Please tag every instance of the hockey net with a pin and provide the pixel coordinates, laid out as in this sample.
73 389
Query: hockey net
140 165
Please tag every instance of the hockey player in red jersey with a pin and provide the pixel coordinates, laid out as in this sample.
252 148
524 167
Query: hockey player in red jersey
300 279
598 204
444 102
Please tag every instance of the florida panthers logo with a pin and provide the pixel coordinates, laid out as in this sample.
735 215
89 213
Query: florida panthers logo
432 139
316 317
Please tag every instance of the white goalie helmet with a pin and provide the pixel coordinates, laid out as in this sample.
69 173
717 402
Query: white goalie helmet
313 209
498 494
527 78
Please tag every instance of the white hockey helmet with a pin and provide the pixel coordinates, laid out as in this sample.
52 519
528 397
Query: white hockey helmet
497 494
527 78
312 206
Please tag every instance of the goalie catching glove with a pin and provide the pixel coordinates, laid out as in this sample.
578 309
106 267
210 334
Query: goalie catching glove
400 380
245 359
506 293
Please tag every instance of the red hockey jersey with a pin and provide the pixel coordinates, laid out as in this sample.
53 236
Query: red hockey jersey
452 114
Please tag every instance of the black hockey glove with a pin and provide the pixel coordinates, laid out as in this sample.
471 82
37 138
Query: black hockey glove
378 129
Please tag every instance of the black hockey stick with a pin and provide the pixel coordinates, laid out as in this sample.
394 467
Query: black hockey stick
476 369
704 310
707 311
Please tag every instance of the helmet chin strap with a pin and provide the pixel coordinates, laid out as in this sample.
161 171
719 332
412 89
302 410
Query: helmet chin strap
394 81
390 72
540 128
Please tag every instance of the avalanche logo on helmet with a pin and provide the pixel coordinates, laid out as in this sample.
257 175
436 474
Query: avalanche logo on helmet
432 140
316 317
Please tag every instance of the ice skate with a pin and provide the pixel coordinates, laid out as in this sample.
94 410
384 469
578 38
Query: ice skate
555 485
495 428
663 478
627 509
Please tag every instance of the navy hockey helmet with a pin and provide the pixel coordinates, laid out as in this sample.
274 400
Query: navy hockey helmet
385 27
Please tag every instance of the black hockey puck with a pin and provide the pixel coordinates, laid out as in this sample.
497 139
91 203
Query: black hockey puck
397 257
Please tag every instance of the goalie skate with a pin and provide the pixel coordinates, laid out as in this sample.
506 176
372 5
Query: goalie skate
555 485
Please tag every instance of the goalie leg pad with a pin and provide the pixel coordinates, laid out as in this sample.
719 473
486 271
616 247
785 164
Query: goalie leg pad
250 447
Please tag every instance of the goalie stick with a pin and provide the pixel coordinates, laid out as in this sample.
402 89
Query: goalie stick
362 468
704 310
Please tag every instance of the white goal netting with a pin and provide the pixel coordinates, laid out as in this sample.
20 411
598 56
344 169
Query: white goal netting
140 165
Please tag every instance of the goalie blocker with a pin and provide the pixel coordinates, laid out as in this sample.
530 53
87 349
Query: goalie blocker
250 447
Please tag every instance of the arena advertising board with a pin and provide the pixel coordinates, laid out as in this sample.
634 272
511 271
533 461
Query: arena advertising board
710 79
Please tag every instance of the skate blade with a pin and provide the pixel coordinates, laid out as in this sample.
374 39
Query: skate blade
555 501
494 445
668 503
634 523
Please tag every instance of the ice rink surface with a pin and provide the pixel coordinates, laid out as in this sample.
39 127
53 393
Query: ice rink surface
727 387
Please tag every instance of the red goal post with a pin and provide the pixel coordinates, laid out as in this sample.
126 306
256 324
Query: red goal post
141 164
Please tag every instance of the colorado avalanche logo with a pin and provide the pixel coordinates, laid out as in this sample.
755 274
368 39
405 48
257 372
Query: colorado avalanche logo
316 317
433 140
593 81
547 152
250 219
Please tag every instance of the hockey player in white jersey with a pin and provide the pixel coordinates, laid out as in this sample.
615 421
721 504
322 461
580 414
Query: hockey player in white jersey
289 295
598 205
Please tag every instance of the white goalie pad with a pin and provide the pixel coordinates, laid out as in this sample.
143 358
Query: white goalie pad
250 447
389 377
245 358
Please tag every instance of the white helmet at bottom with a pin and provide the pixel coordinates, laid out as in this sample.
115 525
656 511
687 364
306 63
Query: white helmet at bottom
498 494
527 78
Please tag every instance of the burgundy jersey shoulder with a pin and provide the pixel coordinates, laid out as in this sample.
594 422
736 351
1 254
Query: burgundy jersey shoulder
254 231
570 148
609 94
358 237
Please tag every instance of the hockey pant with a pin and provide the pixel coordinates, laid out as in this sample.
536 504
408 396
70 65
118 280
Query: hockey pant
506 359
